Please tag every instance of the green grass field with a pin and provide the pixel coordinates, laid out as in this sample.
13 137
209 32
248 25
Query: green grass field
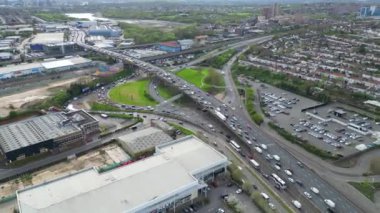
165 92
206 79
132 93
194 76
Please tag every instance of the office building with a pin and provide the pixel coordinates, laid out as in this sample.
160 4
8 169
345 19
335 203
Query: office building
39 134
175 175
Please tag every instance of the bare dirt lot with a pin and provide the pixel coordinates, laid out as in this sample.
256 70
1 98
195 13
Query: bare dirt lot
18 100
97 158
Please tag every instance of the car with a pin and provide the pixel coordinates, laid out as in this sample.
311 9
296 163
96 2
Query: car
299 183
268 157
299 164
297 204
238 191
272 206
315 190
264 195
265 175
220 210
307 194
230 184
276 157
277 167
290 179
254 186
288 172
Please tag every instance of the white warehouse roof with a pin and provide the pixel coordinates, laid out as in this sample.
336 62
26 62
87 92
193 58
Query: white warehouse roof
46 38
373 103
47 65
130 188
20 67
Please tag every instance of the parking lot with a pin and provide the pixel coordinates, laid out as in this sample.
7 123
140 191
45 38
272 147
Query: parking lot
217 196
330 127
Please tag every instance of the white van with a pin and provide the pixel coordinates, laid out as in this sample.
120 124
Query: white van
263 146
265 196
297 204
276 157
330 203
288 172
258 149
315 190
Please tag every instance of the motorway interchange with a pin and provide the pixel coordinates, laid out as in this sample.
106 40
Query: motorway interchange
250 136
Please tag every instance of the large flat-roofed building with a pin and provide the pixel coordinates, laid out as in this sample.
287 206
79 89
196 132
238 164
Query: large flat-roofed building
143 140
175 175
38 134
41 39
64 64
105 30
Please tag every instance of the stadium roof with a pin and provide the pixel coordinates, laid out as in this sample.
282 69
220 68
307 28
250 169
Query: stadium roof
125 189
45 38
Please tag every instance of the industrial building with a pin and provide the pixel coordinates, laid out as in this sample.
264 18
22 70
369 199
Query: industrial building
5 56
143 140
104 30
186 43
170 46
174 176
84 24
66 64
52 44
60 48
42 39
39 134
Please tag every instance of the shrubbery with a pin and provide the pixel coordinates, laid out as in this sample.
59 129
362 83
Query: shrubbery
220 60
260 202
250 97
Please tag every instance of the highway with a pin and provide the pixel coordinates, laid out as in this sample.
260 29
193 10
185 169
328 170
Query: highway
237 120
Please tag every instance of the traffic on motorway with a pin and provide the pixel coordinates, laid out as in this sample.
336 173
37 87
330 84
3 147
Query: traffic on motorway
305 189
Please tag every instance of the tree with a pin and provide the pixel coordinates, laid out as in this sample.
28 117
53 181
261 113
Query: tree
362 49
187 32
247 187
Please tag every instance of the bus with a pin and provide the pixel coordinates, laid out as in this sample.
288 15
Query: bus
279 181
254 163
235 145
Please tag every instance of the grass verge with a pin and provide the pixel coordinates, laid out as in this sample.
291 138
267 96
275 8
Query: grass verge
368 189
95 106
165 92
374 167
184 130
250 98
